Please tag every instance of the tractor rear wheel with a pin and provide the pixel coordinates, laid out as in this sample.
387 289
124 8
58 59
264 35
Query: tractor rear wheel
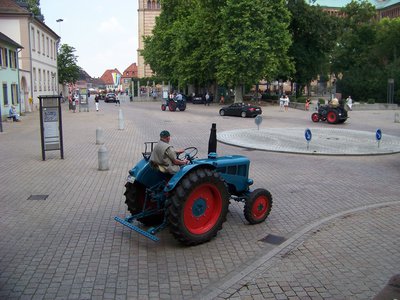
198 207
135 194
332 117
258 206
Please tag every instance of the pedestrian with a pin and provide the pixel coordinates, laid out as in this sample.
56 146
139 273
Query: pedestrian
13 114
349 102
281 103
286 104
96 100
308 101
207 102
117 100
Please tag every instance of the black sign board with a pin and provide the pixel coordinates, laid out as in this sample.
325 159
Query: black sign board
51 124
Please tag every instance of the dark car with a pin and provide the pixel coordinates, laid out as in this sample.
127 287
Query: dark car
198 99
240 110
110 97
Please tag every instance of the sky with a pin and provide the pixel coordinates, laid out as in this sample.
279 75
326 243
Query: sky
104 33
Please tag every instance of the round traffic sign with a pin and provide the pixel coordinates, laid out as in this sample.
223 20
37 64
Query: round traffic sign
378 135
308 135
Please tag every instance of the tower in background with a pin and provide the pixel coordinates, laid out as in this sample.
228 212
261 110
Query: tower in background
148 11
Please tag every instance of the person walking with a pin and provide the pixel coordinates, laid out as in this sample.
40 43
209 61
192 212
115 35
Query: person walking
286 104
349 102
308 101
96 100
117 100
281 103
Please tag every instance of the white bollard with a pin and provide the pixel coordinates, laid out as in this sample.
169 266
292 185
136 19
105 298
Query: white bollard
396 117
103 158
120 120
99 136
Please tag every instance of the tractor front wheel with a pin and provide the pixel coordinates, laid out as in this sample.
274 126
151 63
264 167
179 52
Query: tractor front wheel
258 206
198 207
163 107
315 117
172 106
135 194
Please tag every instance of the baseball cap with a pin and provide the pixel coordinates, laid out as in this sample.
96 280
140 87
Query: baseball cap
164 133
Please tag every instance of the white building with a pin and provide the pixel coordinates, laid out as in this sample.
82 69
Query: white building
38 59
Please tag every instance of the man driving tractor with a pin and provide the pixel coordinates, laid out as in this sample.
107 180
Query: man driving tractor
164 157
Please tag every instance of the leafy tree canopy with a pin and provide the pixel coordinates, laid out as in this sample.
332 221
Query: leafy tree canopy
68 70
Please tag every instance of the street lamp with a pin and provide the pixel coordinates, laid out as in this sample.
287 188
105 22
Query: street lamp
59 25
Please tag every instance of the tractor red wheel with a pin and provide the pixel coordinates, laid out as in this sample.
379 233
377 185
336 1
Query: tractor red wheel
258 206
172 106
198 207
315 117
163 107
332 117
135 194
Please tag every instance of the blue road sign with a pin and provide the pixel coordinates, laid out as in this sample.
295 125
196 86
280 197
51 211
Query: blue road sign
378 135
308 135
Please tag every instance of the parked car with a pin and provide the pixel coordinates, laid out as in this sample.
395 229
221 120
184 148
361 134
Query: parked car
198 99
110 97
240 110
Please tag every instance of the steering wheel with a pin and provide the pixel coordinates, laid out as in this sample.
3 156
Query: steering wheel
188 153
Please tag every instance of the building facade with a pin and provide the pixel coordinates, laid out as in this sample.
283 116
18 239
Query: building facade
148 11
9 75
127 75
38 58
384 8
112 80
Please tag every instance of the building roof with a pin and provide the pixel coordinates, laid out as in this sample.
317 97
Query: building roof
10 7
10 41
379 4
131 71
108 77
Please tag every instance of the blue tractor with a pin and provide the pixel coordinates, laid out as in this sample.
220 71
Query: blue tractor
194 202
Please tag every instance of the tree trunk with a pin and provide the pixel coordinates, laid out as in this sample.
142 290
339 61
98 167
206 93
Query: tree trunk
238 93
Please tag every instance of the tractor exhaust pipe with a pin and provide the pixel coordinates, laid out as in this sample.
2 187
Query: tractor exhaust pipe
212 142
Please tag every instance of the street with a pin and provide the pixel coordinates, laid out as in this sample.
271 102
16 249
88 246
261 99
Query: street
338 216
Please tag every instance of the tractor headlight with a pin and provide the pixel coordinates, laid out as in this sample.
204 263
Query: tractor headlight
130 179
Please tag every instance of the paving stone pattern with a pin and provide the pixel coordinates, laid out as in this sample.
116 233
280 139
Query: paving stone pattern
69 247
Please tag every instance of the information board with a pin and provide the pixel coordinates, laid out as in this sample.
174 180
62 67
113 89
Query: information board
50 124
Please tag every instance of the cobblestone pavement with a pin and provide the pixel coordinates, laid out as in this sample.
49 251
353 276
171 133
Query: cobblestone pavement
337 215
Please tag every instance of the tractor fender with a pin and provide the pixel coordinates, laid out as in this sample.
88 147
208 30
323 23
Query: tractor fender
183 172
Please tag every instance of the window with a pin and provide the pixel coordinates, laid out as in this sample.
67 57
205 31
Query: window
40 80
51 49
34 80
13 59
43 44
5 94
48 46
48 80
3 57
44 80
38 40
14 93
33 38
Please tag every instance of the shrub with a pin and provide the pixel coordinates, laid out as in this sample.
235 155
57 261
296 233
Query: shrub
371 101
321 101
300 99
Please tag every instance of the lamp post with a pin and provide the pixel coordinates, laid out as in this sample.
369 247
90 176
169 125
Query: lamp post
59 25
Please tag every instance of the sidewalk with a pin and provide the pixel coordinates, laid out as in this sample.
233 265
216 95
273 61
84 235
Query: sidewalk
332 233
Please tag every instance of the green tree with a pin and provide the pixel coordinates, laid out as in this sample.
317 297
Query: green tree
354 55
225 41
253 42
68 70
314 33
